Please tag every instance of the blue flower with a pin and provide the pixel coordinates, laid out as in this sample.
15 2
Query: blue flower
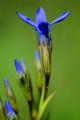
9 110
41 25
19 69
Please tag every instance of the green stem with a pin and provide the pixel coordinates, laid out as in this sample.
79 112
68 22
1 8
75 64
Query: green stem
47 79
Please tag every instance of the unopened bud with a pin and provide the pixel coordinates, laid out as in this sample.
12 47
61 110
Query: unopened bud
11 96
24 80
10 112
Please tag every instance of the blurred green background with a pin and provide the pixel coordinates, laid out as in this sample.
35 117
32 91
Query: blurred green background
17 40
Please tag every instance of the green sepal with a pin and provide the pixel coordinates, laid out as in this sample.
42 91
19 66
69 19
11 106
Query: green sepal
24 82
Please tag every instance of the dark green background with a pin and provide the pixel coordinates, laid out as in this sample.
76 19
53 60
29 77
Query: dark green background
17 40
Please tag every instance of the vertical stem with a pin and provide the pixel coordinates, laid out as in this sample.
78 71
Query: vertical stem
46 85
32 110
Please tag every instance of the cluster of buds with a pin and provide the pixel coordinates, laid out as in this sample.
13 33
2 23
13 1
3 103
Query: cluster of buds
43 71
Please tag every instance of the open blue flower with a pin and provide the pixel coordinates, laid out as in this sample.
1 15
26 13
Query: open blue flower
41 25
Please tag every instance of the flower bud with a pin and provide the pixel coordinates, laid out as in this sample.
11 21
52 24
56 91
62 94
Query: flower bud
24 81
11 96
10 112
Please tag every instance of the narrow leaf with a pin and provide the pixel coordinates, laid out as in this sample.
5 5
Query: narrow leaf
42 98
44 105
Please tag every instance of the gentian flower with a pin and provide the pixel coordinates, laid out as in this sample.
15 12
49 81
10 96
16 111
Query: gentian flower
41 25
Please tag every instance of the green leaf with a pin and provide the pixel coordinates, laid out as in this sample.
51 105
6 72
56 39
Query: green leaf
44 104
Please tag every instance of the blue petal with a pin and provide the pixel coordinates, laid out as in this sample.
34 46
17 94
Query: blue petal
37 55
23 65
62 17
44 30
26 19
6 83
40 16
18 67
41 36
9 109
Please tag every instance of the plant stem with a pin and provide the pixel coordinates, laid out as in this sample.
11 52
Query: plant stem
47 78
